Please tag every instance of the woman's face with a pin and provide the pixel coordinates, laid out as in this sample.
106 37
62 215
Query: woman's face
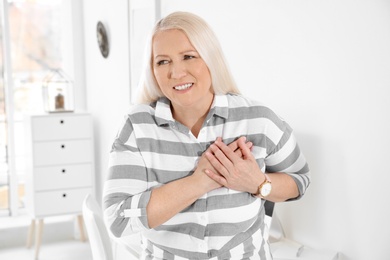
180 72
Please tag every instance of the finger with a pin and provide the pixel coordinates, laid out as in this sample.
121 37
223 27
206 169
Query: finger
216 164
229 154
233 145
216 177
221 156
246 152
238 152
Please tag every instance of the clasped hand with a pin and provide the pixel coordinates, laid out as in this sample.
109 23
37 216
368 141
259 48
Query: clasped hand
233 166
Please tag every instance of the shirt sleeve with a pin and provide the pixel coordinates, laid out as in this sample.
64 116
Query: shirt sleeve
287 157
125 191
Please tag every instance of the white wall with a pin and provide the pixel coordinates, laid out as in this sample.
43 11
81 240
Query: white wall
322 66
107 80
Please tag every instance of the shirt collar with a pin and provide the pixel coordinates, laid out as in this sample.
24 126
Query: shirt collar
164 116
163 111
220 106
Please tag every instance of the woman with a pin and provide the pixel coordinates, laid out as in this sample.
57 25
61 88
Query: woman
187 168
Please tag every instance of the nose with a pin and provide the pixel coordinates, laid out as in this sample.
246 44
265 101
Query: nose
177 70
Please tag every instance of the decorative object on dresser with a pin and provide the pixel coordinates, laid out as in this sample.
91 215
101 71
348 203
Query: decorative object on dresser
57 92
61 168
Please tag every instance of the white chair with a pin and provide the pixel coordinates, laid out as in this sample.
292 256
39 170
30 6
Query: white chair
99 239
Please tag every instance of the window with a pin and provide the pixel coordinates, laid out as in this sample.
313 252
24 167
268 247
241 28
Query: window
34 39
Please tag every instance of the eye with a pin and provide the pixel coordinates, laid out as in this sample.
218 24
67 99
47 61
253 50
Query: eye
188 57
162 62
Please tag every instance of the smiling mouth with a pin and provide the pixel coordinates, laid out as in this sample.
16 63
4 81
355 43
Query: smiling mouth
183 87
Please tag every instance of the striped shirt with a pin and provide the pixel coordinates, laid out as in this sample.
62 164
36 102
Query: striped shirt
152 149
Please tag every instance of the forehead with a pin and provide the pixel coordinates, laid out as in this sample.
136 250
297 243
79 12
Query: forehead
171 41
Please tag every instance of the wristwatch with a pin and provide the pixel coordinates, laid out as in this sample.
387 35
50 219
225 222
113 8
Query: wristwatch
265 188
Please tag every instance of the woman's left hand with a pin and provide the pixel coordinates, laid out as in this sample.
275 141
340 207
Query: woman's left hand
234 172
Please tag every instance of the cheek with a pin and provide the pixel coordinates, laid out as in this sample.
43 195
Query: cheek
205 74
159 76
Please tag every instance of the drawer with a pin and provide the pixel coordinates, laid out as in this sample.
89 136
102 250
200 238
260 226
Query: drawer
62 152
59 202
60 177
61 127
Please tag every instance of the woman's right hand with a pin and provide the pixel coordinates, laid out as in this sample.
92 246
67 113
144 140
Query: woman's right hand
204 164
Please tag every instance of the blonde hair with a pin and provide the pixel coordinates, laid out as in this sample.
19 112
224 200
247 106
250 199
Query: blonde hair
205 42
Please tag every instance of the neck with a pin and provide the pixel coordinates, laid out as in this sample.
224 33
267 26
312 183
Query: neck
192 118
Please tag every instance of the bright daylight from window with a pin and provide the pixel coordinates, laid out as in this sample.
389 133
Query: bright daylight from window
35 41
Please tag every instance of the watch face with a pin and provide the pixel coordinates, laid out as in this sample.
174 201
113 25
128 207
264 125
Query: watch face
266 189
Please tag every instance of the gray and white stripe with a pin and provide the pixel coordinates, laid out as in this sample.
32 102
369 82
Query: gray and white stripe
152 149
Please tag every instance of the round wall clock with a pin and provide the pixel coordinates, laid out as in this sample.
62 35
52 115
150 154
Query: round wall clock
102 39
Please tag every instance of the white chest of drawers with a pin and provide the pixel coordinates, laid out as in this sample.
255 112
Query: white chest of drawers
61 165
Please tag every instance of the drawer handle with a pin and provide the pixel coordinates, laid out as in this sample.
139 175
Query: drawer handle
63 171
62 146
62 121
64 195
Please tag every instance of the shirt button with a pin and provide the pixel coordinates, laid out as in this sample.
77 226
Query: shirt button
122 214
202 246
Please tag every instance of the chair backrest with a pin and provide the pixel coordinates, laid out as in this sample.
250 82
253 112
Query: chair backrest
275 228
269 208
97 233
